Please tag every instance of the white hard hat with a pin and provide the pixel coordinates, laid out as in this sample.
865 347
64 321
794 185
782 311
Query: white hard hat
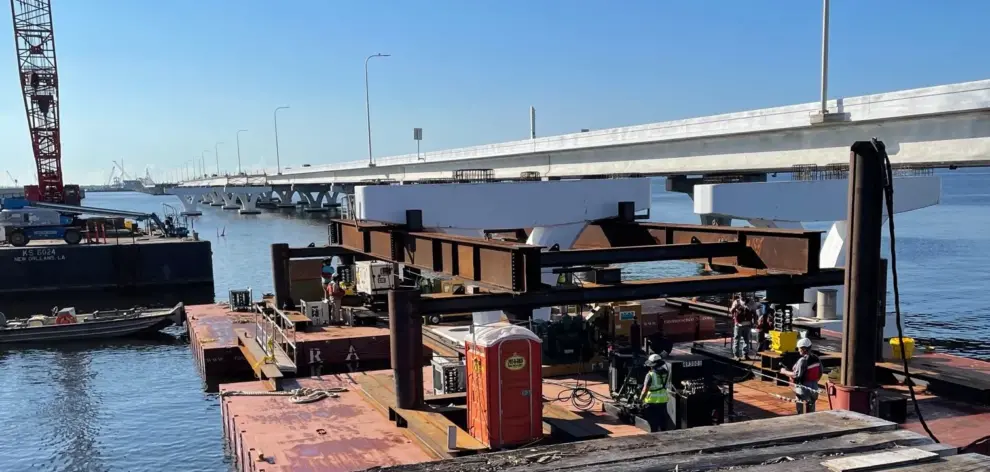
653 359
804 343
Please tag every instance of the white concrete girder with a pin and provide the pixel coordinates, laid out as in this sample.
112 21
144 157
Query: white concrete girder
481 206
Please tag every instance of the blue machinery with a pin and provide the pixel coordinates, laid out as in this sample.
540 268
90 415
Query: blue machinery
23 221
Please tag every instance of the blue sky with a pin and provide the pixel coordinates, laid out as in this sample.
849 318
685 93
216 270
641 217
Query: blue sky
157 83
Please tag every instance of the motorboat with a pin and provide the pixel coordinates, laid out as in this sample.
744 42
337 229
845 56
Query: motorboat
65 325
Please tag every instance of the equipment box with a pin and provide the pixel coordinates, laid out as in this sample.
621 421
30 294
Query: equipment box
373 277
449 375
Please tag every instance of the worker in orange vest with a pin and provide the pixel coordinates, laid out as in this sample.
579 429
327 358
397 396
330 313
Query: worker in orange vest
336 292
805 374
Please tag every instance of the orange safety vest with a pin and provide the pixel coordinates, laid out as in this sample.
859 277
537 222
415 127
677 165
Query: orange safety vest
812 370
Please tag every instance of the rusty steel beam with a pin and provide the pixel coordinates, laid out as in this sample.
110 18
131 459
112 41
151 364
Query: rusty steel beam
627 291
503 265
324 251
622 255
769 249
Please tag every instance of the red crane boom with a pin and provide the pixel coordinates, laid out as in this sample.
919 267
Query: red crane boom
34 39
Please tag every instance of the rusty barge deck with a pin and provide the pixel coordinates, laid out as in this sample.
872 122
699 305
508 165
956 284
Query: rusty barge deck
225 351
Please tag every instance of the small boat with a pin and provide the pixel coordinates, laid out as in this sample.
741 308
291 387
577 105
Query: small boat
65 325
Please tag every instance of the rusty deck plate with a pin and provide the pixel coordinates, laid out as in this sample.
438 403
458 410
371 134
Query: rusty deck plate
214 342
334 434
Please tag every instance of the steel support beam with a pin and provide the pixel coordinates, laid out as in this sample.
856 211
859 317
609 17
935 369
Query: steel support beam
622 255
628 291
325 251
507 266
515 267
795 251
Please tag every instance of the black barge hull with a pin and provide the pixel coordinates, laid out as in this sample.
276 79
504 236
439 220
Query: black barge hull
151 272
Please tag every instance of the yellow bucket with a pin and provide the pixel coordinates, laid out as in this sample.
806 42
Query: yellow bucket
895 347
783 341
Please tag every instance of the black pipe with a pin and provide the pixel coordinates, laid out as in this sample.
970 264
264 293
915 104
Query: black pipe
406 347
280 276
862 275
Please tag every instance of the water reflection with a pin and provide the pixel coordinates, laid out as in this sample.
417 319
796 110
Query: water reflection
73 411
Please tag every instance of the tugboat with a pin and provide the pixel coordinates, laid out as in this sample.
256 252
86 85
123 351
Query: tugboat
65 325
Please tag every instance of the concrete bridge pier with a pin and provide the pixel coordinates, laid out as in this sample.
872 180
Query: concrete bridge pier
216 197
265 199
685 184
189 197
229 200
245 199
313 200
284 195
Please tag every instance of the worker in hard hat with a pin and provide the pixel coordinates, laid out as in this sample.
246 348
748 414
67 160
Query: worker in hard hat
654 394
805 375
336 292
326 275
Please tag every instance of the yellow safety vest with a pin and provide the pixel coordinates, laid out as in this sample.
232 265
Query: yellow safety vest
657 393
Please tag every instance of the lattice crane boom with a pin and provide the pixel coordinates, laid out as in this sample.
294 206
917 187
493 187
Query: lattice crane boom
34 39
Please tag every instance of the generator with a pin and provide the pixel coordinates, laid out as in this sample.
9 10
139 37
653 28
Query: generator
564 339
372 281
449 375
317 312
374 277
694 398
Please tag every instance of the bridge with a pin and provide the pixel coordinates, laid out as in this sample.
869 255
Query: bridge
721 161
942 126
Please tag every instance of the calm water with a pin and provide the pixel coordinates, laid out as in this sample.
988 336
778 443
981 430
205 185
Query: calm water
139 406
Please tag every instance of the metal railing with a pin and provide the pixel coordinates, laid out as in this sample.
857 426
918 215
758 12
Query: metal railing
275 331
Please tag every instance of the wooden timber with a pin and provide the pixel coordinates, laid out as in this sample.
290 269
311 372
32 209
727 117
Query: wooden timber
750 443
564 424
428 426
957 463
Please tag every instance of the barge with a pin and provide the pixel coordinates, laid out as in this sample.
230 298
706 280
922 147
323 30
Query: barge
507 416
138 271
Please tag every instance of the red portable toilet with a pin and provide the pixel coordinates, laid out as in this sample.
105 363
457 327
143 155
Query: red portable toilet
504 385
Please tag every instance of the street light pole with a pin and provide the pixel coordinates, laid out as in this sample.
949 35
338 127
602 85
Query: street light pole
216 152
824 106
367 103
239 150
278 158
202 158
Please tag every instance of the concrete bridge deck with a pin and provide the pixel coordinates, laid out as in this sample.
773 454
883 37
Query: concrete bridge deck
935 126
